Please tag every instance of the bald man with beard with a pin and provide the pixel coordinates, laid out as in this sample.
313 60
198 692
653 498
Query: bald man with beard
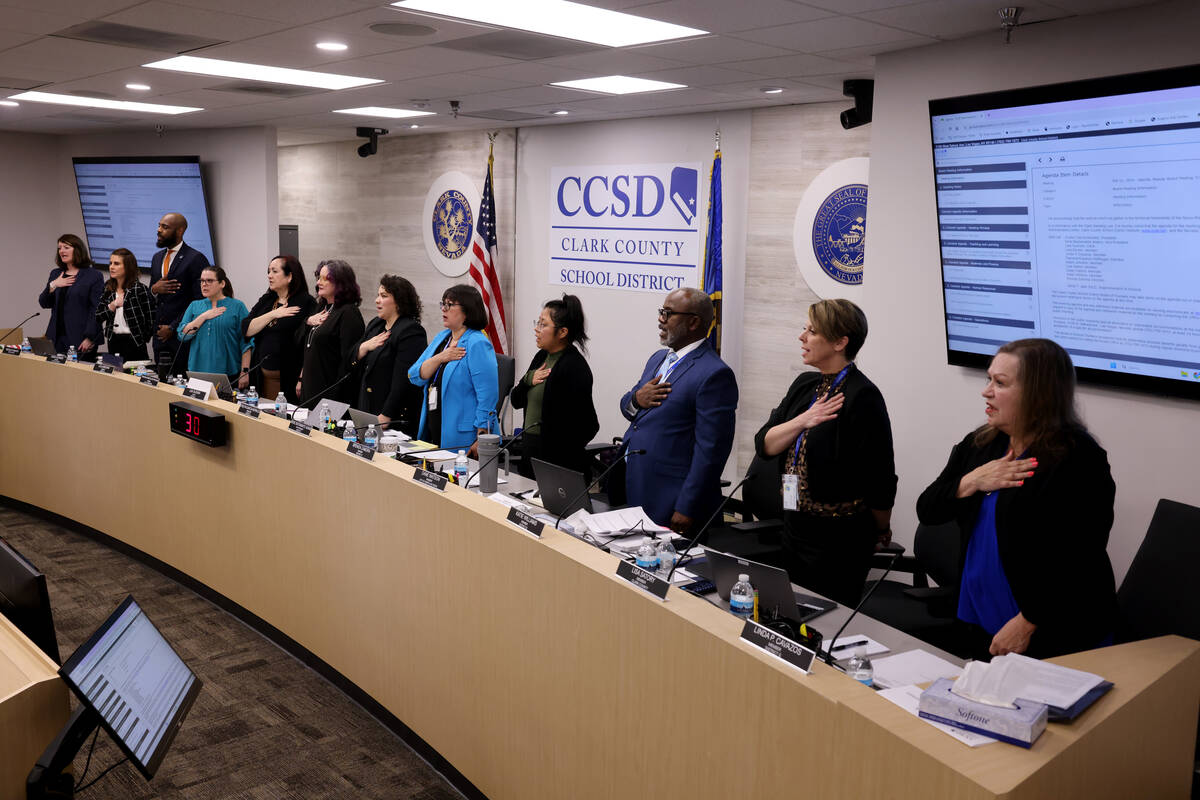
175 283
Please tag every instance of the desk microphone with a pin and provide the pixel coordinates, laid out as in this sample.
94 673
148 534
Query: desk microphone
828 657
496 455
705 526
588 488
325 391
19 324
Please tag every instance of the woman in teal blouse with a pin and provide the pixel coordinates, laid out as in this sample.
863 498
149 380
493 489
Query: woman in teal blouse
213 325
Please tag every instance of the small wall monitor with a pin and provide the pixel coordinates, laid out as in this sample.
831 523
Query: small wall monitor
1072 212
25 600
123 198
135 681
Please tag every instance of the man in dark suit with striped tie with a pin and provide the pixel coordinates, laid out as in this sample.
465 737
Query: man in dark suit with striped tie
175 282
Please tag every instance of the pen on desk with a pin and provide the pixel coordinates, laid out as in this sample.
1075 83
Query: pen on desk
848 645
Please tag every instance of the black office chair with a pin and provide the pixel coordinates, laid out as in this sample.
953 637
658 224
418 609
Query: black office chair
924 611
506 377
759 536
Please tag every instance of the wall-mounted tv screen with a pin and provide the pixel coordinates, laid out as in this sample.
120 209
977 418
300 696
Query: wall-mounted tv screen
123 198
1072 212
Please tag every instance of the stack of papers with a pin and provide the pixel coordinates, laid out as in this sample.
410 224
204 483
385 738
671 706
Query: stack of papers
603 528
1013 676
915 666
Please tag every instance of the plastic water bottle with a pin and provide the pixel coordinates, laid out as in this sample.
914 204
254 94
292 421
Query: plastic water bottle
666 556
324 415
348 432
252 397
741 597
72 354
26 347
461 469
860 668
647 555
371 437
281 405
178 381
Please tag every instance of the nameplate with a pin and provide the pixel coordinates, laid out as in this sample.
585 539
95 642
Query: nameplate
195 394
146 379
57 358
525 522
434 480
300 428
12 349
644 579
790 652
247 410
107 369
363 451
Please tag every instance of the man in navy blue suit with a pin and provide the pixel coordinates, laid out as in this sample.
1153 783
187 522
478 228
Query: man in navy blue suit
174 285
681 412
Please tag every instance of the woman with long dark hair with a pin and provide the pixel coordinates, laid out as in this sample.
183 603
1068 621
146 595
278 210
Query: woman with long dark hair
1033 496
72 293
126 309
273 323
213 325
556 390
390 345
330 334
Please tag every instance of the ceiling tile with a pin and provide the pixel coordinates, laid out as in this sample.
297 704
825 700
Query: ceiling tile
296 48
722 16
160 15
824 34
526 73
865 55
24 20
856 6
946 19
436 60
444 30
712 50
87 9
654 100
616 61
66 59
792 66
295 12
699 76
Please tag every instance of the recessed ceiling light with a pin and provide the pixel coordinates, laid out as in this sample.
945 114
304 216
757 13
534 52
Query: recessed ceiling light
332 46
259 72
558 18
414 126
138 87
95 102
619 84
771 90
383 111
560 112
9 103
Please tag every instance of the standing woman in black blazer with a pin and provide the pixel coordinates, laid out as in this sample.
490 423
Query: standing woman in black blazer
329 335
72 293
1032 494
126 309
273 323
392 342
557 390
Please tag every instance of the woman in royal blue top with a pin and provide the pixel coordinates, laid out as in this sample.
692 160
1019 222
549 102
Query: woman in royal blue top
213 324
1033 494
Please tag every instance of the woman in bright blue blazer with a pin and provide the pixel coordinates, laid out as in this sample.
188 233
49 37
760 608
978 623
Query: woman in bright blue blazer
458 373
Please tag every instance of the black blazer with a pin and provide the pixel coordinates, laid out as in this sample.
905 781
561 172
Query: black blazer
849 457
327 353
1052 534
277 343
139 312
383 385
79 308
568 415
185 268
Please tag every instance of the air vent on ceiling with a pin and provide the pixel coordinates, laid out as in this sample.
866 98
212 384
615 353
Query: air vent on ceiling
20 83
131 36
518 45
402 29
503 115
266 89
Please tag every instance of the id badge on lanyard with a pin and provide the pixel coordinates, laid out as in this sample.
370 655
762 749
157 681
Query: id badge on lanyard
431 402
791 492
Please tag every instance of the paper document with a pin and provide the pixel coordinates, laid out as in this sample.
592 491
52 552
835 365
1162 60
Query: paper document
618 521
437 455
914 666
848 645
1014 676
512 502
474 482
907 697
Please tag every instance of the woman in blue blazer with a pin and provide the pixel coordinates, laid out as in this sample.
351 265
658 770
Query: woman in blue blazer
72 293
458 373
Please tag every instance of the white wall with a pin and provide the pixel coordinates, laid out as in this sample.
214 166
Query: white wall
1150 440
240 168
29 225
622 324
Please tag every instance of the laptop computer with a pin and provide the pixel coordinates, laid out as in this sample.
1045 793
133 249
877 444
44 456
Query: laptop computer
219 380
773 585
362 419
115 360
41 346
558 486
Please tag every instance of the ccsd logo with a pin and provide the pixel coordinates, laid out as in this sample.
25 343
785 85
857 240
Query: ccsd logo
452 223
839 234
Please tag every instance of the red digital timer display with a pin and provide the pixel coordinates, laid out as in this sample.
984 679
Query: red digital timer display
199 424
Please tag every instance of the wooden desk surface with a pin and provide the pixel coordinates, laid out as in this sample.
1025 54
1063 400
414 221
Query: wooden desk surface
526 662
34 706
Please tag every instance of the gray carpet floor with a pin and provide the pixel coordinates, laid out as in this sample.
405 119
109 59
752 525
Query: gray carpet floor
265 726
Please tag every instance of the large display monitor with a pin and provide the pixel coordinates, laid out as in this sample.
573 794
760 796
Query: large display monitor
123 198
25 600
1072 212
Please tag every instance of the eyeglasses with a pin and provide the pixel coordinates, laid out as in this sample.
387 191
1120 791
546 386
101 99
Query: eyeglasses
539 325
449 304
209 280
667 313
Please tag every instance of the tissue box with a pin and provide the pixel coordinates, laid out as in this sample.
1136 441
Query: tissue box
1020 726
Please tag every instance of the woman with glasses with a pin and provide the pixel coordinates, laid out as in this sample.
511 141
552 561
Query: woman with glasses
833 441
392 343
329 335
126 309
273 323
213 325
458 373
556 391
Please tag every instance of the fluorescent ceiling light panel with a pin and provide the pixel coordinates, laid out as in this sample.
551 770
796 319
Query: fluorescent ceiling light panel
383 111
557 18
93 102
619 84
259 72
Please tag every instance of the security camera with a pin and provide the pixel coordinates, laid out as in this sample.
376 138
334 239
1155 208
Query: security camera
372 136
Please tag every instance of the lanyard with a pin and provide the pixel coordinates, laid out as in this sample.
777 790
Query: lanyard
671 368
841 376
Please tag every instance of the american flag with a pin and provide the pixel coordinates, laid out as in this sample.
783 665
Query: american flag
483 264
